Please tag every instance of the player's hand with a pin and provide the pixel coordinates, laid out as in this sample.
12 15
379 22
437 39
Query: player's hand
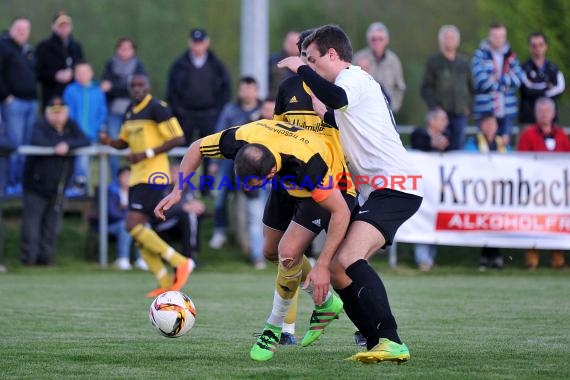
318 106
136 157
292 63
166 203
61 148
104 138
319 276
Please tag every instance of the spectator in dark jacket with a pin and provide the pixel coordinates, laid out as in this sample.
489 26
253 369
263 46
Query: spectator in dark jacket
276 74
45 181
17 94
114 84
198 87
448 84
543 78
56 57
430 139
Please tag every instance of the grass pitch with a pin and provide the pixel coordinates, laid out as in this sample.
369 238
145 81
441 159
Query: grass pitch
90 323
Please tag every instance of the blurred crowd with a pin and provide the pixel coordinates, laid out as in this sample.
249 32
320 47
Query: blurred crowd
492 87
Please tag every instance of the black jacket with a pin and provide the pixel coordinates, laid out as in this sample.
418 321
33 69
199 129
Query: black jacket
190 88
51 56
43 174
17 70
540 80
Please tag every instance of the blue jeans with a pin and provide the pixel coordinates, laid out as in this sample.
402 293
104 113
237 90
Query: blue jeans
255 207
124 239
456 131
425 254
505 126
81 172
19 116
221 201
114 123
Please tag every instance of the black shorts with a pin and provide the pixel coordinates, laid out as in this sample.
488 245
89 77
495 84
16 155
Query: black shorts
143 198
281 208
387 210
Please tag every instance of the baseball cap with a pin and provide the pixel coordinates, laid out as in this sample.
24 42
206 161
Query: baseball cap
56 104
198 34
61 18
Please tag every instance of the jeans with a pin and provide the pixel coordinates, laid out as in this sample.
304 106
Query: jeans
255 208
456 131
505 126
221 194
114 123
124 239
19 116
425 254
81 171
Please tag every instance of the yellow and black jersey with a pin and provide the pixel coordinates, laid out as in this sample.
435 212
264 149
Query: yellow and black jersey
302 157
149 124
294 105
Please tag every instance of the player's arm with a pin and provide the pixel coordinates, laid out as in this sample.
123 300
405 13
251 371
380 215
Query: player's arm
190 163
330 94
105 139
333 201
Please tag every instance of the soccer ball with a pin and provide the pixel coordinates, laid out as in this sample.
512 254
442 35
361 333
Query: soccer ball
172 314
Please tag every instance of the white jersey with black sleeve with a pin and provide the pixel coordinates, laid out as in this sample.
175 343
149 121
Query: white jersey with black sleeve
369 138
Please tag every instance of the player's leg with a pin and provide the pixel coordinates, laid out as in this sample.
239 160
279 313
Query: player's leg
289 273
370 231
142 200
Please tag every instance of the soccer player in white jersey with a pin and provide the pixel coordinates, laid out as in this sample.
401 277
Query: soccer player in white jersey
388 185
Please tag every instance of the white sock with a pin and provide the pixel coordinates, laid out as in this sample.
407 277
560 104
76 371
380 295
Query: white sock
280 308
289 328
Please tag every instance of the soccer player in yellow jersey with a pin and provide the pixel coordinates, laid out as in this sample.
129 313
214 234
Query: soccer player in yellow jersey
150 130
295 103
306 168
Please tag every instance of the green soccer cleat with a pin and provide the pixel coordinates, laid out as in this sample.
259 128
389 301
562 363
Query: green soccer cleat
322 316
265 346
384 351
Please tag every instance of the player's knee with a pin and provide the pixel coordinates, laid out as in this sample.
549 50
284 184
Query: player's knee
271 255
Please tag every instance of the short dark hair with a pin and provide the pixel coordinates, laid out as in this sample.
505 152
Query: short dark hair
253 160
537 34
123 169
304 34
496 25
122 40
248 79
331 37
485 117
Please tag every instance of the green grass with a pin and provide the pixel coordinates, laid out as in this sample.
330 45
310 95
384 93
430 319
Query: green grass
94 324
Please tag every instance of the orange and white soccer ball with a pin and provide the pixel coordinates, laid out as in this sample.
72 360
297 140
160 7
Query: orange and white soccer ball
172 314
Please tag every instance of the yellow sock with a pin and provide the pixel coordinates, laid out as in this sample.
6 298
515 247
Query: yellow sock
288 280
291 316
306 268
148 239
156 266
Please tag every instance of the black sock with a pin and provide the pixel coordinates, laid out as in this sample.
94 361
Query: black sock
357 315
374 300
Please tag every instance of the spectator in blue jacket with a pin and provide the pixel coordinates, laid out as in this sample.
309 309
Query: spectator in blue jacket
497 75
88 107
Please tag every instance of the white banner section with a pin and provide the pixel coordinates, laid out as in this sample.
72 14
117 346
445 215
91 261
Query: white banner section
513 201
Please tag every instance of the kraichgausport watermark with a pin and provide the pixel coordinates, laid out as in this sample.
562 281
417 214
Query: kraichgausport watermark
343 181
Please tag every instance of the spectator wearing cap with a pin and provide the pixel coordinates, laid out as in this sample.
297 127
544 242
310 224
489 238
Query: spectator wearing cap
198 88
18 97
45 180
56 57
384 64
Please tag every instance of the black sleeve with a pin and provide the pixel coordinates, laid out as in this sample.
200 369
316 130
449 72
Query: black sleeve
75 138
161 112
229 145
330 94
420 140
329 119
315 172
